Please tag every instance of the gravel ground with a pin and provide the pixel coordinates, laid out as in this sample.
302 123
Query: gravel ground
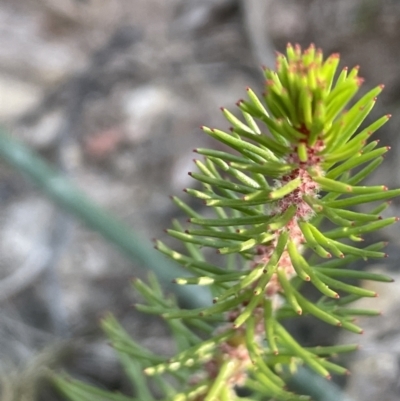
112 92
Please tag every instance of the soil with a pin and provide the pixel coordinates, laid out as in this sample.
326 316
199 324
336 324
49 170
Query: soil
112 93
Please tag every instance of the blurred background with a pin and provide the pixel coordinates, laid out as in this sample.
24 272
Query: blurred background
112 93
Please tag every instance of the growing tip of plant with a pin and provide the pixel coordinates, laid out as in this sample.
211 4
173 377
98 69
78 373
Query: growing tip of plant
335 56
311 47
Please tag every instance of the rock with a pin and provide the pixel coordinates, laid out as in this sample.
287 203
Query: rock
24 228
142 106
16 97
42 133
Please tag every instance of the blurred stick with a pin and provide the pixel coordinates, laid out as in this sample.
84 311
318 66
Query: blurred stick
255 17
60 234
65 194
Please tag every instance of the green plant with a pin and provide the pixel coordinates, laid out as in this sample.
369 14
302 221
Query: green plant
283 204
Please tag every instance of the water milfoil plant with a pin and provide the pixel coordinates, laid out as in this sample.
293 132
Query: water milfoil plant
284 190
